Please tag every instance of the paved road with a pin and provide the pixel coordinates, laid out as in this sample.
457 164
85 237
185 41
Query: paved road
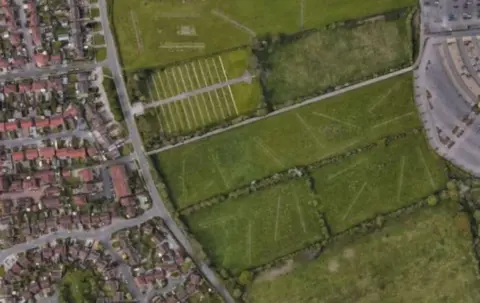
26 35
286 109
114 65
247 77
51 70
101 234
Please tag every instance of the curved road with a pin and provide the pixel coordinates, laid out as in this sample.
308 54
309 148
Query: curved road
113 63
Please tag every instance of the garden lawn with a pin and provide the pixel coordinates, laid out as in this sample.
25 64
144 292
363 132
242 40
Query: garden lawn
258 228
151 32
423 258
379 181
327 58
226 161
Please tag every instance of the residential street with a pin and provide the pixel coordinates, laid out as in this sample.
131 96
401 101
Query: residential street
114 65
51 70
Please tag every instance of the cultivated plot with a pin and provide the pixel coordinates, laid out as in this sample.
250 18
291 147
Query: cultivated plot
258 228
327 58
160 32
297 137
423 258
379 181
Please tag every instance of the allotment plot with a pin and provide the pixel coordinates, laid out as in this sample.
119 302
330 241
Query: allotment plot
256 229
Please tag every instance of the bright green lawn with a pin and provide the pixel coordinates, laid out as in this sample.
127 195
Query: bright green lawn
171 30
378 181
325 59
218 164
423 258
79 285
258 228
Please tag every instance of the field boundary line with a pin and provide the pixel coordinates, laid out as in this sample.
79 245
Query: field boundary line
156 87
276 218
333 176
420 153
237 24
203 95
197 102
384 96
229 88
309 130
161 83
400 179
217 165
209 95
354 201
219 102
268 151
393 119
180 101
174 105
334 119
187 99
171 90
300 214
171 115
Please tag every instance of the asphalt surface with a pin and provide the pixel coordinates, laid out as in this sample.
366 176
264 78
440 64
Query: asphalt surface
49 71
26 35
286 109
113 63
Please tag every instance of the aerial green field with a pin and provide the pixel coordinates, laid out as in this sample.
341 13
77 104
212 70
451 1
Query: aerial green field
379 181
423 258
256 229
327 58
152 33
218 164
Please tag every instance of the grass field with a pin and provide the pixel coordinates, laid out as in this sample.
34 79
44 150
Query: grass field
201 110
325 59
259 228
151 32
223 162
423 258
378 181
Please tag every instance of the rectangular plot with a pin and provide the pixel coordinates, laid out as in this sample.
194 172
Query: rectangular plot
209 106
265 226
159 90
378 181
166 81
169 114
226 102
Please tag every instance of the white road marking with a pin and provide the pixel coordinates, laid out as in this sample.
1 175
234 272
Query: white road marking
216 93
225 100
229 88
209 95
180 101
187 100
203 95
195 97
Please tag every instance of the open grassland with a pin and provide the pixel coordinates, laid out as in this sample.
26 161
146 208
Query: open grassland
327 58
379 181
256 229
151 32
423 258
218 164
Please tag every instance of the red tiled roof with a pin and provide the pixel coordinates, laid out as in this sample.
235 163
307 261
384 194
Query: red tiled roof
86 175
71 153
119 180
10 126
29 184
40 59
79 200
51 191
92 152
45 176
3 63
15 39
56 59
24 87
18 156
25 124
52 203
47 152
31 154
56 121
2 127
66 173
71 111
140 281
42 122
18 62
10 88
39 85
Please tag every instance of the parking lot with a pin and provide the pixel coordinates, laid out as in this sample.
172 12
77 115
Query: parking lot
448 15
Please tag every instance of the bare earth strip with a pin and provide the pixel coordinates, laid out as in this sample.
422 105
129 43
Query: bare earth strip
354 200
